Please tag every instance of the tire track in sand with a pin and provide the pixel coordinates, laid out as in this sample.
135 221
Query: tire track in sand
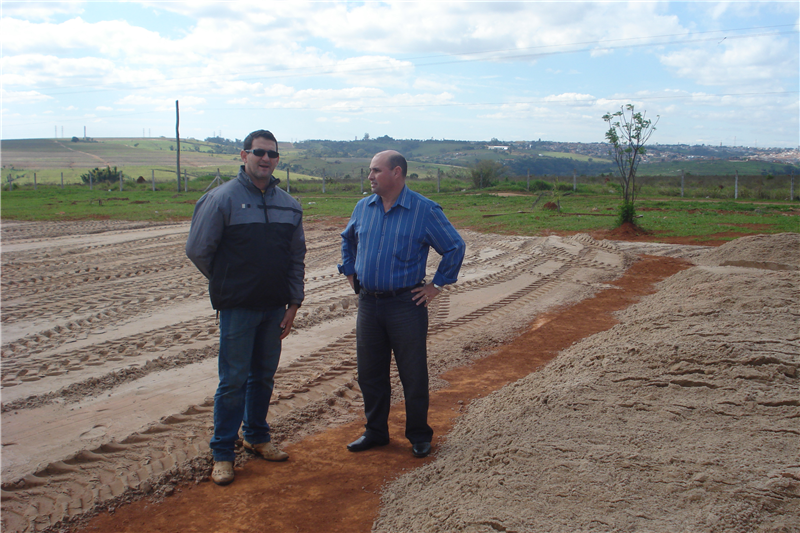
505 280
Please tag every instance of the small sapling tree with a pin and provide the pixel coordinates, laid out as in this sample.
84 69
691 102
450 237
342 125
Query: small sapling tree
628 132
486 173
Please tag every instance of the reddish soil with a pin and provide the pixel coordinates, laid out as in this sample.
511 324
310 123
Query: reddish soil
322 487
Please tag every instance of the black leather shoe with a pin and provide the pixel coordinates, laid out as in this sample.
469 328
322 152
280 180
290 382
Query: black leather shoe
364 443
421 449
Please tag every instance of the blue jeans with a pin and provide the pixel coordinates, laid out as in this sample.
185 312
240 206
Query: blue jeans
393 324
249 352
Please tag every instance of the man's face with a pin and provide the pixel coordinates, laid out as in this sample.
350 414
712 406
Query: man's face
382 179
260 168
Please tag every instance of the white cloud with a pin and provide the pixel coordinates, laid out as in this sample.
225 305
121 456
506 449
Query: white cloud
434 66
428 84
572 99
754 61
161 103
493 29
335 119
20 97
45 11
376 70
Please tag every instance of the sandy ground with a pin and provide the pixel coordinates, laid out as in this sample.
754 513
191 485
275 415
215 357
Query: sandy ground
682 417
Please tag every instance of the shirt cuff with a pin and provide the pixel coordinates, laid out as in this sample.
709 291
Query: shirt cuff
347 270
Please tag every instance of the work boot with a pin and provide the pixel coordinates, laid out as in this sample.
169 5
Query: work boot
222 473
267 450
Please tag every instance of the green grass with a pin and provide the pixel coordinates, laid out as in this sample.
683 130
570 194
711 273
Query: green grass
512 213
78 203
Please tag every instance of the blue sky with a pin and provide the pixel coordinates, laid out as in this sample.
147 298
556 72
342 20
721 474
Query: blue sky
713 72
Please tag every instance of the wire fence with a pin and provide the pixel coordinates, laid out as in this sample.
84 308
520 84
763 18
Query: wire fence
750 187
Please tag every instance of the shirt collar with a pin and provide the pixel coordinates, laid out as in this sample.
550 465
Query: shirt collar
403 200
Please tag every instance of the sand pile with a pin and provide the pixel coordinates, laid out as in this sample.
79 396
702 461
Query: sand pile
684 417
776 252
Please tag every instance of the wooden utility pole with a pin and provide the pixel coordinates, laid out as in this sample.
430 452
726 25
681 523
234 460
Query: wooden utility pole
178 140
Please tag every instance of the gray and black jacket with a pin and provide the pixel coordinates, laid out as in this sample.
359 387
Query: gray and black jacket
250 245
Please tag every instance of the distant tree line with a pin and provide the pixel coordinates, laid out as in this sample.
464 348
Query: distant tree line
540 166
222 145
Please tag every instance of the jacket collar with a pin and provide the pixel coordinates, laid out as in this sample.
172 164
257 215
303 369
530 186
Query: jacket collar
247 182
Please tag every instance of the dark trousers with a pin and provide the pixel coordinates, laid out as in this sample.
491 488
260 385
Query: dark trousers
398 325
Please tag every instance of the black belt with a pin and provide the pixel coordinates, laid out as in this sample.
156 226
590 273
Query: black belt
391 294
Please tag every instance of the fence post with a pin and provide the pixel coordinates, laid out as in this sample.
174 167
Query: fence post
288 184
362 181
438 180
178 142
120 181
323 181
185 181
91 176
683 176
34 181
528 186
736 186
574 180
153 178
62 180
791 187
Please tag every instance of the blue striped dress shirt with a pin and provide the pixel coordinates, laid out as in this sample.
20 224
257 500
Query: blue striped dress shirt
389 250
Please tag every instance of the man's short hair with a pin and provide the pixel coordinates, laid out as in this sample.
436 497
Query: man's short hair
264 134
397 160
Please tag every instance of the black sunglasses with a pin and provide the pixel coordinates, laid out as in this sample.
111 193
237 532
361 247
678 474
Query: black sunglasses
260 152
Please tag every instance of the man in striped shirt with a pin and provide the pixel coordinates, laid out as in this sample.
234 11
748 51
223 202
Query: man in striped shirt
384 253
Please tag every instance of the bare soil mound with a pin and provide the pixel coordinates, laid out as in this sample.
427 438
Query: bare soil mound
776 252
685 417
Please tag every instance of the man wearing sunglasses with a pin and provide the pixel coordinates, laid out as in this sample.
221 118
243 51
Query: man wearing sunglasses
247 238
